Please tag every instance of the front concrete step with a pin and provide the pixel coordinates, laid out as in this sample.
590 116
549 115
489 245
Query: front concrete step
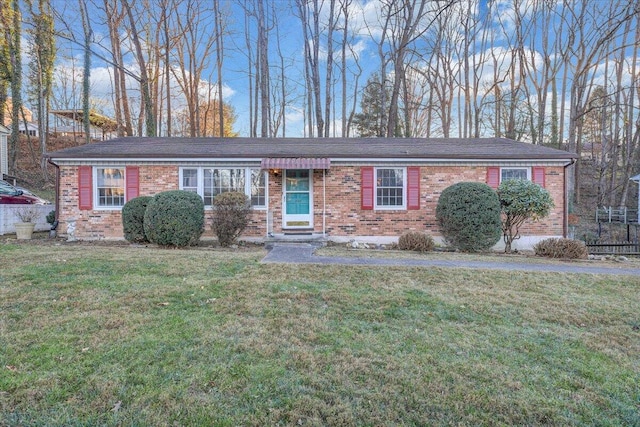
296 238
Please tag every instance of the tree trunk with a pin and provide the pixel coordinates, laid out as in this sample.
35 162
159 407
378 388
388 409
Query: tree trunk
263 64
328 86
219 60
150 121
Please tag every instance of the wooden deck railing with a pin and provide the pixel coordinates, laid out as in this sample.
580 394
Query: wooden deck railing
623 215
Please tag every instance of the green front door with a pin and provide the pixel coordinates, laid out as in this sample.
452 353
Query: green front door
297 199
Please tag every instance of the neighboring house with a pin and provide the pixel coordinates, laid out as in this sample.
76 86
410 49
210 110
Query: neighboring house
77 131
25 114
30 129
367 189
4 151
70 123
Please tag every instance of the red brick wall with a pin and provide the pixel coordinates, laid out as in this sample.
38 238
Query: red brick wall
344 217
107 224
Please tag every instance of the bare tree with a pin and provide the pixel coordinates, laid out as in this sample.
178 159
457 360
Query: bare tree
86 73
263 67
631 133
406 29
150 120
541 78
122 111
42 47
439 71
193 51
589 46
309 14
10 19
219 40
282 94
331 26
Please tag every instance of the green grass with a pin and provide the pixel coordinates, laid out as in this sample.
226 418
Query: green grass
138 336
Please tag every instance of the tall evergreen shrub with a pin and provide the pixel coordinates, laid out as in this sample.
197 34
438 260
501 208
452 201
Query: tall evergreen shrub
133 219
469 216
174 218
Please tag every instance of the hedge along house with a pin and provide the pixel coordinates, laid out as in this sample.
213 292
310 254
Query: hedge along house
367 189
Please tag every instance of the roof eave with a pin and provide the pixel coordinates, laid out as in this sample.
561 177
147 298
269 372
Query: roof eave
339 159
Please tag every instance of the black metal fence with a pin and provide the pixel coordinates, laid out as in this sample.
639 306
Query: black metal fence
618 248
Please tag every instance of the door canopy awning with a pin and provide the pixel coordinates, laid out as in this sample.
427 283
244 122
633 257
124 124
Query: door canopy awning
296 163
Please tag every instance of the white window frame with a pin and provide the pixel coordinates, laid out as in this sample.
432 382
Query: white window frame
96 195
404 190
247 182
526 169
248 185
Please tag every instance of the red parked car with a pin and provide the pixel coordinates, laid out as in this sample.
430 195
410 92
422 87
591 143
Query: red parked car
10 195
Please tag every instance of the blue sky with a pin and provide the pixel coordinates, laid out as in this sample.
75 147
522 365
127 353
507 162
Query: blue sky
364 31
235 62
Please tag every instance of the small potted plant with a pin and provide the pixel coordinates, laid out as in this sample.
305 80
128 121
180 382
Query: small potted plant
28 216
51 220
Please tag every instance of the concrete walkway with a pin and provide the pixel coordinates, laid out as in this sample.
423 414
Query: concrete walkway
303 253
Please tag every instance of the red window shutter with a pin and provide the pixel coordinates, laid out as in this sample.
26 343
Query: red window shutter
132 182
493 177
538 175
367 187
85 175
413 187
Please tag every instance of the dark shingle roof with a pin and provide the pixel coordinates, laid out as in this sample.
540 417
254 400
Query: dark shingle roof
351 148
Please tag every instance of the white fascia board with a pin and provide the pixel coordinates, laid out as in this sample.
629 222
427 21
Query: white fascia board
424 160
155 160
346 161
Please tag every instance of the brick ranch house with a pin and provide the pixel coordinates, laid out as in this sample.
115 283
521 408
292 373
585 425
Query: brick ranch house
365 189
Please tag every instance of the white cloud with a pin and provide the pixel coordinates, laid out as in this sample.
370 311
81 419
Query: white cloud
209 90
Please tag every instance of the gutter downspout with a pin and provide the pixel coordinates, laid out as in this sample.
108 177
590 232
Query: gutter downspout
565 213
324 203
57 192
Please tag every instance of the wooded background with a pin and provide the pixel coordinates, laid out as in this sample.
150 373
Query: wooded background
560 73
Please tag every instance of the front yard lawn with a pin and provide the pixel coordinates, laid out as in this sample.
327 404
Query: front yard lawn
99 335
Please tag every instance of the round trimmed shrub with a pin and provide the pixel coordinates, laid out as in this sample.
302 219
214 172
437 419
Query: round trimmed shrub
133 219
561 248
415 241
469 216
174 218
231 211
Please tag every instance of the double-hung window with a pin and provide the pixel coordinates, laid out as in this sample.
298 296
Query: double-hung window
110 187
107 187
515 173
390 188
209 182
258 187
495 174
